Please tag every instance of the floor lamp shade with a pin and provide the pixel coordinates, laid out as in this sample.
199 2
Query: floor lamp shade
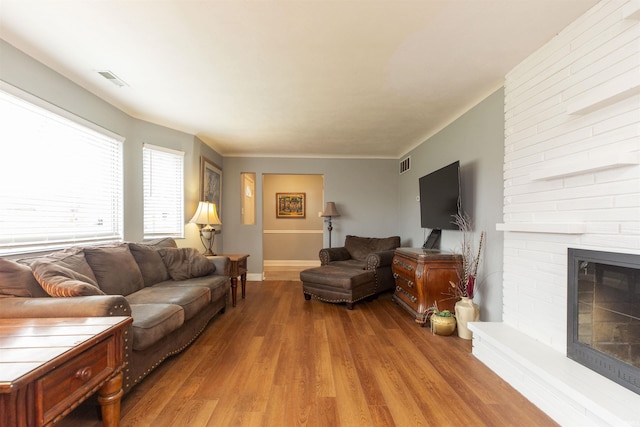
330 211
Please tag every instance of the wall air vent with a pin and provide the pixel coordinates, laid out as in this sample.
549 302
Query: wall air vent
405 165
113 78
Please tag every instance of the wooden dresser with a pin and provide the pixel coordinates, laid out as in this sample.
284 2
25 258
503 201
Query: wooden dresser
49 366
422 279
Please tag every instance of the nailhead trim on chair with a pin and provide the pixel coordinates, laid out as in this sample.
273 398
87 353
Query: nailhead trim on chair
324 258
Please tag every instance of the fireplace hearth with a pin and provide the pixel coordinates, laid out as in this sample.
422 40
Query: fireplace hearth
603 316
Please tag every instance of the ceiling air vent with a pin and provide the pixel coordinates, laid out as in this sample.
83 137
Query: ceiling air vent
112 78
405 165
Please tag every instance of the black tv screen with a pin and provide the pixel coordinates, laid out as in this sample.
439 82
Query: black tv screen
440 198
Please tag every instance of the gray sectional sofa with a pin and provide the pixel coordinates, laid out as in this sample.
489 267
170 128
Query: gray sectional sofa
171 293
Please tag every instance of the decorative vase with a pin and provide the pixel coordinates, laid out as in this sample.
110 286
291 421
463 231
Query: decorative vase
441 325
466 311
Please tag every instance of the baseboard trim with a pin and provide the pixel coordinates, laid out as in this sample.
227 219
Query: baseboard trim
254 277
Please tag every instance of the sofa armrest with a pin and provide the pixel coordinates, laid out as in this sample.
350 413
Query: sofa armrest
380 259
89 306
222 263
328 255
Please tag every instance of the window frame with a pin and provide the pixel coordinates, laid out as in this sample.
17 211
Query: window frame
156 232
52 237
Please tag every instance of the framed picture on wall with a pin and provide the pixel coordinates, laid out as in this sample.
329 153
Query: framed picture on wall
290 205
211 182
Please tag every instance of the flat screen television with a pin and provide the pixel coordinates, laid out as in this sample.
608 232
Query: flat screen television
439 202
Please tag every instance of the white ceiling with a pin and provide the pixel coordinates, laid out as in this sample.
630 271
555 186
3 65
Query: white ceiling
341 78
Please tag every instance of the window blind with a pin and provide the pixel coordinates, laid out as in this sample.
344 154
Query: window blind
61 180
163 171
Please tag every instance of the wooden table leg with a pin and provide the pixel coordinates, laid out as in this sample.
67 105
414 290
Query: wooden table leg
234 289
109 399
243 280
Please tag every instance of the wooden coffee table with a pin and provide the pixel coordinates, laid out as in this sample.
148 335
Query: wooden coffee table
49 366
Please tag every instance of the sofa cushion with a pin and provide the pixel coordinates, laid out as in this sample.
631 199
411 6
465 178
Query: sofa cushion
185 263
116 270
336 277
218 285
17 280
152 322
360 247
150 263
191 299
60 281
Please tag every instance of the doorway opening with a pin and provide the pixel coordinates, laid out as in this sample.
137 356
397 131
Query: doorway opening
291 242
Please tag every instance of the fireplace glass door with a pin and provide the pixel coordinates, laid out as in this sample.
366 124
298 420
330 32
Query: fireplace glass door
604 314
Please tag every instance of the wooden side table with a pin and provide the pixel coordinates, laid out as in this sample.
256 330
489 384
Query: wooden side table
49 366
238 268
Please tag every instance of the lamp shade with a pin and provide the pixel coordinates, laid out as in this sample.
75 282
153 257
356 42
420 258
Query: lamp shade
207 213
330 210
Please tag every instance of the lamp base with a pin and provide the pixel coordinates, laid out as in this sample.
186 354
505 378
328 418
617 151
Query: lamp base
207 236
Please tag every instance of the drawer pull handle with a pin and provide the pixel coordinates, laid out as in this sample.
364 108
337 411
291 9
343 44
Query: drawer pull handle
404 265
84 374
398 277
407 294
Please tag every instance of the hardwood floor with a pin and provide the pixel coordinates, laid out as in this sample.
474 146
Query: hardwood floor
284 273
278 360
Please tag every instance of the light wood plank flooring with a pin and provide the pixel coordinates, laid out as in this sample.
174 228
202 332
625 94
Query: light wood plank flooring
278 360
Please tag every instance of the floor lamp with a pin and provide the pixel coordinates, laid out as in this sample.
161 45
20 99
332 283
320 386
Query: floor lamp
329 212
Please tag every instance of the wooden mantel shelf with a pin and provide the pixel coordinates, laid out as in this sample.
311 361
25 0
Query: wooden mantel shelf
549 227
603 162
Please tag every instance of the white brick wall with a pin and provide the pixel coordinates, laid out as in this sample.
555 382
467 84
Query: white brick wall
572 145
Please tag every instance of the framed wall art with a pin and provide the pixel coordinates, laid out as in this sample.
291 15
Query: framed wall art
290 205
210 182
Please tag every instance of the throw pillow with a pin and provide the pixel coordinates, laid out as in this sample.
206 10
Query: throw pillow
165 242
71 258
150 262
185 263
17 280
115 269
59 281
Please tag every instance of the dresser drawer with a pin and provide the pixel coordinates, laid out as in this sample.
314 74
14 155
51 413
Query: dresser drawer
404 266
74 378
407 284
404 273
407 297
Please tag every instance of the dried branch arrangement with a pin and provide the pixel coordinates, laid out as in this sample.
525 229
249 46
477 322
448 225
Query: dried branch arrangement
468 270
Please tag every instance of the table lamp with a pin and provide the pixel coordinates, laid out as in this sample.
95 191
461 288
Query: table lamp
206 217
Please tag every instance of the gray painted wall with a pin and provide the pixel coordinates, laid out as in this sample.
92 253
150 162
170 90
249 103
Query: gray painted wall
477 140
364 192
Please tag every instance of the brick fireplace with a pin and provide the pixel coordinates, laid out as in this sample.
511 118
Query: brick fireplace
571 180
